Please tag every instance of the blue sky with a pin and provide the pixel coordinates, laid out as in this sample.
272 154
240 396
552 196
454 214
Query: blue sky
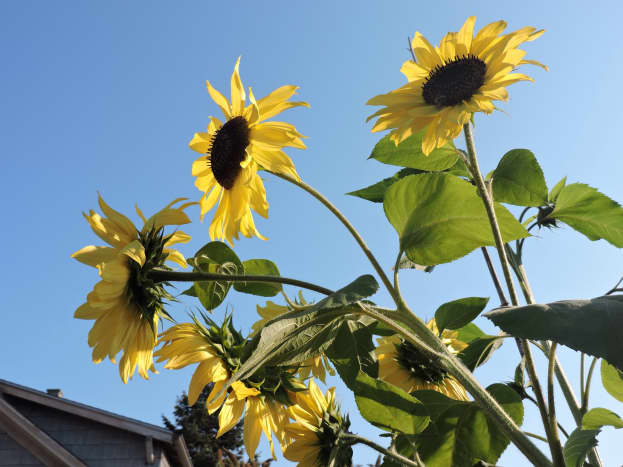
106 95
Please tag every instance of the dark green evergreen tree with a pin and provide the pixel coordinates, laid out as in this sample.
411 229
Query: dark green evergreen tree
199 429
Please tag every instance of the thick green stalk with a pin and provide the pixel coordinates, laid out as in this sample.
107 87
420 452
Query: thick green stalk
427 342
524 347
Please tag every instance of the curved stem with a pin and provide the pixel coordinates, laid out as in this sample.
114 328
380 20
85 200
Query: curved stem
354 439
535 436
159 275
582 375
336 212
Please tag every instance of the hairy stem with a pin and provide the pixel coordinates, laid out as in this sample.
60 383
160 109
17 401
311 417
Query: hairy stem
160 275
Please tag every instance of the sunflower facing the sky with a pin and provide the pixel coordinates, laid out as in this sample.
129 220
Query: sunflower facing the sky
448 83
126 304
403 365
264 397
316 429
233 152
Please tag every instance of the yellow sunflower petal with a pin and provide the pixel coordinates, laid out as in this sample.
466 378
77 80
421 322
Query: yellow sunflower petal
237 91
220 100
230 413
94 255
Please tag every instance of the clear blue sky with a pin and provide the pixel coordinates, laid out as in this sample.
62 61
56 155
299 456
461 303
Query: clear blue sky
106 95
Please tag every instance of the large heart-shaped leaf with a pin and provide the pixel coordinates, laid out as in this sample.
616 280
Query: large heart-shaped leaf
440 217
590 326
518 179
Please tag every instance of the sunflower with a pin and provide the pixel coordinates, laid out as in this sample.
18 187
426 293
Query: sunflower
316 429
126 304
448 83
317 366
235 150
403 365
263 398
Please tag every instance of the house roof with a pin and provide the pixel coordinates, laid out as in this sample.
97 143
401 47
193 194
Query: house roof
175 441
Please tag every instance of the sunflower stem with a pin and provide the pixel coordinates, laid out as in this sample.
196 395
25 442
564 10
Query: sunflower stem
494 277
471 384
354 439
553 425
160 275
561 377
522 344
418 324
587 386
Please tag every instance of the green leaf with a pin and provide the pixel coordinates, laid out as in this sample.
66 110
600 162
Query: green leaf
519 180
409 154
612 380
380 403
589 326
590 212
553 195
577 446
259 267
296 336
463 434
479 351
215 257
376 192
596 418
469 333
435 402
440 218
456 314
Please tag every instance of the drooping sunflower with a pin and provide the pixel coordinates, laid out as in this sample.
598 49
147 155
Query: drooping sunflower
126 304
448 83
316 429
317 366
403 365
263 398
234 151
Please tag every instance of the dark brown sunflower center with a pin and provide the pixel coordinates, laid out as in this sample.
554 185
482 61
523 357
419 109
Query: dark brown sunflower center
455 81
418 364
228 151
